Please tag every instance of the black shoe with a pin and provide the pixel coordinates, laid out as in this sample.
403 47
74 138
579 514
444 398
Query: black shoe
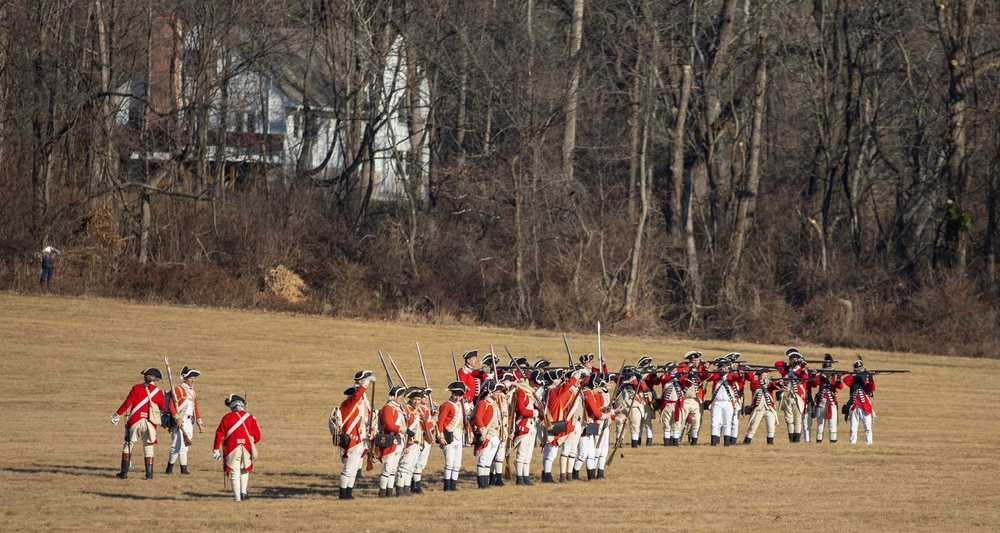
418 487
833 441
746 440
726 441
124 472
527 481
694 441
770 441
149 471
382 493
715 440
350 493
576 475
343 494
519 480
666 441
819 441
547 477
483 482
447 485
635 443
791 437
399 492
184 470
244 497
591 473
497 480
798 437
454 485
170 468
600 474
358 475
649 441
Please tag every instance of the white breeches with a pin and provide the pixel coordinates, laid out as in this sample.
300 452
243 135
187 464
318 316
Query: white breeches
859 415
453 456
352 463
721 418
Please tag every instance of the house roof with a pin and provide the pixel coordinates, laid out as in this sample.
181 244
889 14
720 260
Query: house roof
296 65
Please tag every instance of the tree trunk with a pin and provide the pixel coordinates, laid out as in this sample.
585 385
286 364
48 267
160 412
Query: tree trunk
572 95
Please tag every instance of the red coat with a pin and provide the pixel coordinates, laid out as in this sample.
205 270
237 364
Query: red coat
355 412
391 420
524 412
487 413
469 376
766 397
446 413
558 404
243 434
181 393
593 404
860 393
797 371
828 388
137 404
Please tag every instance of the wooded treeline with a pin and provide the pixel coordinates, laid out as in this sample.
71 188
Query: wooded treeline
767 170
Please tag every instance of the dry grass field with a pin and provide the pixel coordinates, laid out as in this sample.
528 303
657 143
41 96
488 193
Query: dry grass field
68 363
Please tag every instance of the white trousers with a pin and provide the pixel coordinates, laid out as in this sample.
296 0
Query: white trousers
425 454
177 446
586 452
352 463
524 449
721 418
822 422
390 466
453 456
486 456
859 415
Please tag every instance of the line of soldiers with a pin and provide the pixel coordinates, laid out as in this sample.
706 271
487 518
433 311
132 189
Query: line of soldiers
147 407
502 411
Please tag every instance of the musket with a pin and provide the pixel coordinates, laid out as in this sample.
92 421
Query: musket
569 354
394 367
600 356
388 375
873 372
173 400
370 465
819 361
627 426
607 422
423 372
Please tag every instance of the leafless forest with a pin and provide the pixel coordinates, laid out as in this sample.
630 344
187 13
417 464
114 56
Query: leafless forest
770 170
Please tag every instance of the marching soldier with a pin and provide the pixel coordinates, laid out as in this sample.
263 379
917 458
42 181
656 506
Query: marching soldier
859 407
630 403
451 433
142 405
350 424
826 400
506 431
488 424
416 431
393 429
185 411
793 394
761 407
723 401
694 395
672 406
235 439
648 395
575 419
598 412
739 382
526 409
429 421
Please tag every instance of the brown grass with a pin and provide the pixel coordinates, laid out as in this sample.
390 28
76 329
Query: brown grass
67 364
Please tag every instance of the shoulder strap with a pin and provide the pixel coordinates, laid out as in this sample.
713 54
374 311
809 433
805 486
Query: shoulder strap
237 425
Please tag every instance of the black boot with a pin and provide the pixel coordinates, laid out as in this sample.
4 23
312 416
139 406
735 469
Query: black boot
798 437
358 475
418 487
244 497
149 469
383 493
547 477
483 481
635 443
170 468
350 493
746 440
600 474
770 441
519 480
726 441
527 480
399 491
576 475
591 473
819 440
694 441
125 466
833 441
666 441
497 480
715 440
649 441
562 477
184 470
791 437
343 493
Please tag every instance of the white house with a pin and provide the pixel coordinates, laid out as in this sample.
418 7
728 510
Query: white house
280 113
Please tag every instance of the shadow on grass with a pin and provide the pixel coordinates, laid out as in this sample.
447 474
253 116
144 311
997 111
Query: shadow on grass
133 496
68 470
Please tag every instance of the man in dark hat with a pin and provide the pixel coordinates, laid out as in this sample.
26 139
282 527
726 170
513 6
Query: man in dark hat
761 406
826 399
648 396
694 394
236 441
859 407
471 375
793 395
428 419
393 424
598 413
142 405
451 424
488 425
183 414
349 425
526 408
417 433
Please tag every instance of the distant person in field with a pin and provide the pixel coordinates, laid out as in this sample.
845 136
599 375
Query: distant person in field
392 426
48 265
235 441
488 425
429 421
471 375
142 409
184 415
526 413
691 380
826 400
415 436
648 396
451 424
793 395
352 433
859 407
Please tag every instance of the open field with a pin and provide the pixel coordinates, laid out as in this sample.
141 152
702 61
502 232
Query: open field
67 365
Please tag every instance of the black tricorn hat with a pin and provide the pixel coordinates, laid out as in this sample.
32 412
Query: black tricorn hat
362 374
233 399
413 392
470 354
396 391
644 360
790 351
489 359
189 372
155 372
350 390
691 355
827 361
521 361
794 355
535 375
586 358
457 387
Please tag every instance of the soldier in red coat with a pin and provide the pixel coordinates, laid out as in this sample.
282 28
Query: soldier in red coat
597 414
828 384
350 422
451 424
859 406
471 375
183 414
394 429
235 440
762 406
793 395
142 399
488 424
526 410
